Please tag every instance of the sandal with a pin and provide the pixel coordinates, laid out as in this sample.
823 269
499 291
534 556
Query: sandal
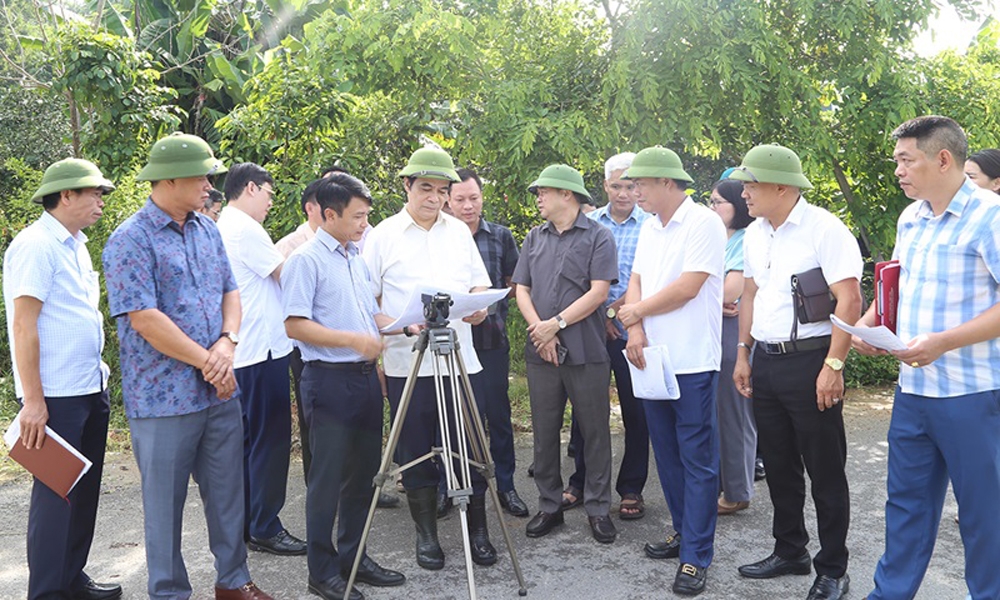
571 497
632 507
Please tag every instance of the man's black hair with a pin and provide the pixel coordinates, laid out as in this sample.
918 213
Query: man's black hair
988 161
50 201
333 169
467 174
336 191
214 196
240 175
410 179
935 133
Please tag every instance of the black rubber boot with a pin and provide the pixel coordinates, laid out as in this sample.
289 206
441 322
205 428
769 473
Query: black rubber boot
483 552
423 509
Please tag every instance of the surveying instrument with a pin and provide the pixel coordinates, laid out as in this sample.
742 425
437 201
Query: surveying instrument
469 434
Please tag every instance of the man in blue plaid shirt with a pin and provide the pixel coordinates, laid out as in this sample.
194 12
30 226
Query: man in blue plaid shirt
946 415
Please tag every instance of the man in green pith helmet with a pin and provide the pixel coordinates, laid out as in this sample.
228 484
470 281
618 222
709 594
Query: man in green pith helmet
56 334
796 380
421 245
178 308
566 267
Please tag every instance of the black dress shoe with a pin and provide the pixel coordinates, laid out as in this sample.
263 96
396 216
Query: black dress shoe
333 589
671 548
543 522
282 544
775 566
92 590
444 504
603 529
690 580
758 469
372 573
829 588
387 500
513 504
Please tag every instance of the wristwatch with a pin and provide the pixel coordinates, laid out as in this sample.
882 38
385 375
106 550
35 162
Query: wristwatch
612 313
562 322
232 336
834 363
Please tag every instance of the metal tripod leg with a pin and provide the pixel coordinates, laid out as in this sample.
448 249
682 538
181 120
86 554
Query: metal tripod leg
444 346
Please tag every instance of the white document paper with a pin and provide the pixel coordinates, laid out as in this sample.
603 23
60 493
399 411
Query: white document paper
463 304
879 337
14 432
658 380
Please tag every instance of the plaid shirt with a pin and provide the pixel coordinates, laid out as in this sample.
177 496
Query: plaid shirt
626 238
499 251
950 269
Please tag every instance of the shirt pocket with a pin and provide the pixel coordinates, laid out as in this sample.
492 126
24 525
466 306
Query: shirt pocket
948 261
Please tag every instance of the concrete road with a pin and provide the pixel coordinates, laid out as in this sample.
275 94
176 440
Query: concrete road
566 564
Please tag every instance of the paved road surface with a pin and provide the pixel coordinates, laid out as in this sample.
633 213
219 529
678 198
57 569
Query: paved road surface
566 564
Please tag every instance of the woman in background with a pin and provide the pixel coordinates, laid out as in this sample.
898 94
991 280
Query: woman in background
983 168
737 428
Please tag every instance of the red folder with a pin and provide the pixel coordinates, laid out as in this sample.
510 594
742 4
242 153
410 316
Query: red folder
57 464
887 293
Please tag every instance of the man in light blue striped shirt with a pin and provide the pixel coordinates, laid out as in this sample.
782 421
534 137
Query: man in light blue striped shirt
946 417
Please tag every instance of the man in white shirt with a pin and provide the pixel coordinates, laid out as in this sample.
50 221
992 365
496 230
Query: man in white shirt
261 359
674 300
56 331
797 381
419 246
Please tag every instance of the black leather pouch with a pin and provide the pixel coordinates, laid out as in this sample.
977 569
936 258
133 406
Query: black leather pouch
811 296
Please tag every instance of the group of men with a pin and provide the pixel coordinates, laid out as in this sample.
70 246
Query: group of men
210 317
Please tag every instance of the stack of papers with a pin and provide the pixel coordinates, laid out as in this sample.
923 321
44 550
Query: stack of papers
658 380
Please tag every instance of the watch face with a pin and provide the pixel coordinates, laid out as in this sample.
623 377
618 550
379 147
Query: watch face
611 313
835 363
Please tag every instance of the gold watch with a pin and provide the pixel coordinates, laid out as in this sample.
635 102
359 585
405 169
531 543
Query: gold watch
834 363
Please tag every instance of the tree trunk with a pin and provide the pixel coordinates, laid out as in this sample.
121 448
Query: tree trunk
74 124
852 203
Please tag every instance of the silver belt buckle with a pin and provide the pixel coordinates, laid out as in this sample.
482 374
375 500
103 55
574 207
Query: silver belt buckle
781 346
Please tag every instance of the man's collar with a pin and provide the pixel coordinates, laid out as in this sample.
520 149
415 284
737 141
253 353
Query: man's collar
582 221
333 245
159 218
411 221
957 204
686 206
58 230
485 225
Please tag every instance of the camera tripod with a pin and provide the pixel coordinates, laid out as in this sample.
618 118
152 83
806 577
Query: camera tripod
469 433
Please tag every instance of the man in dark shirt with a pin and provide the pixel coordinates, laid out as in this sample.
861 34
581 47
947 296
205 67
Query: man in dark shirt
566 267
499 251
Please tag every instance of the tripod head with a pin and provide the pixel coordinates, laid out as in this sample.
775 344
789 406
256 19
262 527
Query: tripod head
436 309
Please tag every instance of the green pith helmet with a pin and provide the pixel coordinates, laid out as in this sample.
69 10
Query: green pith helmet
771 163
71 174
430 163
657 161
560 177
180 155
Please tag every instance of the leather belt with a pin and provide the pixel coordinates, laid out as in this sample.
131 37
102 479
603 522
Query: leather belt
359 367
815 343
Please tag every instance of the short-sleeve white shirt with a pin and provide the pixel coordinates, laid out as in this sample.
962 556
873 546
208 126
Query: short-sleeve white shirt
810 237
400 255
693 240
253 258
45 262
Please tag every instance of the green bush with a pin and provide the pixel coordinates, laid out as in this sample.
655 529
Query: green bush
870 370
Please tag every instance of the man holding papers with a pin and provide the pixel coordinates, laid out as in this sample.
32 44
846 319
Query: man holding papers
797 381
421 246
56 334
946 415
674 300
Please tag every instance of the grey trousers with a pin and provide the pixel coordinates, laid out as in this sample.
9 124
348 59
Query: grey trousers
169 450
587 389
737 426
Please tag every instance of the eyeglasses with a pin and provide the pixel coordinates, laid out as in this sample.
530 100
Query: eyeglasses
747 171
715 202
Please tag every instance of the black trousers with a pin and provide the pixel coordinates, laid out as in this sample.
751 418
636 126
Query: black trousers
60 531
344 413
793 434
296 364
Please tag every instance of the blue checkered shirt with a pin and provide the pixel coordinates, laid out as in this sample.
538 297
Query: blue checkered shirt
499 251
950 269
626 236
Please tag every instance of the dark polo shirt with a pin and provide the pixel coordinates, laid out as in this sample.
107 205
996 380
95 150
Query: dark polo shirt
559 268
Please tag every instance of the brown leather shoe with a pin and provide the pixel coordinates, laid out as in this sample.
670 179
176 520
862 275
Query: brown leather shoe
248 591
727 508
